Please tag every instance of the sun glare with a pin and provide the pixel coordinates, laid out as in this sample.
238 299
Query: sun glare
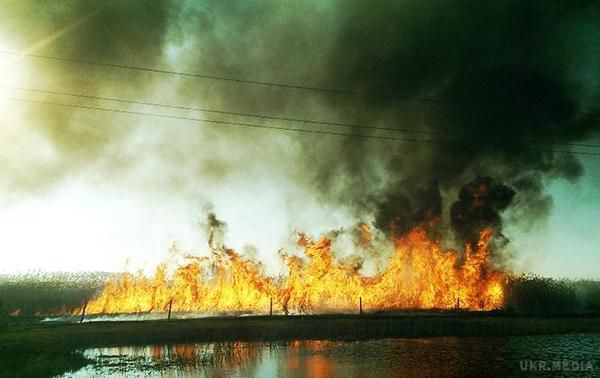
11 72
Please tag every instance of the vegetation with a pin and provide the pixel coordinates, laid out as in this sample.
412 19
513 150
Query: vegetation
532 294
32 294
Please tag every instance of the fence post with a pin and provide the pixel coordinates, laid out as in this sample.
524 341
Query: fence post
170 305
271 307
83 312
360 305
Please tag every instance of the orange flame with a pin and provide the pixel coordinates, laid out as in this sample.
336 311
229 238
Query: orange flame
419 274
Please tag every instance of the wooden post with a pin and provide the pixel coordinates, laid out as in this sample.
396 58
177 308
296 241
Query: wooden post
170 305
360 305
271 308
83 312
457 304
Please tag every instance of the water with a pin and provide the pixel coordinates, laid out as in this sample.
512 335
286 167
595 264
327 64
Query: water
563 355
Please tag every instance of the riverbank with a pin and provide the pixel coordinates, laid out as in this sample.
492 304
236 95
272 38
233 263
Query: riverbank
50 348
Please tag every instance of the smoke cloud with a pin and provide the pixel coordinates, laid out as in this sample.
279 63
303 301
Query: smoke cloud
510 95
478 207
215 228
108 32
512 81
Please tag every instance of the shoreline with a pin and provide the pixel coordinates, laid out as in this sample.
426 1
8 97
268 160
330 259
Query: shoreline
101 332
53 348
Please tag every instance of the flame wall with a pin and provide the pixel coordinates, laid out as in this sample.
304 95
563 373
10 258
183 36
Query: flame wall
420 274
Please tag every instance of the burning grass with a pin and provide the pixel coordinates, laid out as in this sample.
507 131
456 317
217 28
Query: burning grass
24 302
419 274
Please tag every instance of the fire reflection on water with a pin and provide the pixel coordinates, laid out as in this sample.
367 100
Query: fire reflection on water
303 358
442 356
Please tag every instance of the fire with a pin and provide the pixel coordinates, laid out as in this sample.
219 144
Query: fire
419 274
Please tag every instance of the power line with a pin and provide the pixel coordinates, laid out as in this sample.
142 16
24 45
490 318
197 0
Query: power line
241 124
225 112
228 79
265 83
278 128
269 117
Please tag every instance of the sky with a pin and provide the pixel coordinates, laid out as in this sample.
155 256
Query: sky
90 190
566 244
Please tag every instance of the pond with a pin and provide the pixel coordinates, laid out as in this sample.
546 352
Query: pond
548 355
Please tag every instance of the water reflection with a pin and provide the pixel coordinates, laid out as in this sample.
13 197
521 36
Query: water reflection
173 360
450 356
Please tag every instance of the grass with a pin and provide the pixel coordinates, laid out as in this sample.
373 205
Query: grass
52 348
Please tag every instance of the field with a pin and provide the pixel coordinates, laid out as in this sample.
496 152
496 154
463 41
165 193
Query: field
51 348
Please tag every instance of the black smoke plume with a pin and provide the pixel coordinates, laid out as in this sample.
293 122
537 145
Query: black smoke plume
214 228
510 77
478 207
